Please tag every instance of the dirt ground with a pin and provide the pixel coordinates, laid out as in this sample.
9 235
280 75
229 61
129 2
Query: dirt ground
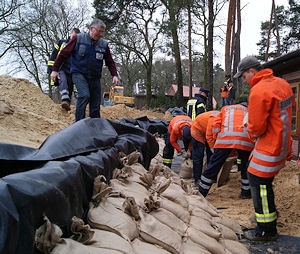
28 117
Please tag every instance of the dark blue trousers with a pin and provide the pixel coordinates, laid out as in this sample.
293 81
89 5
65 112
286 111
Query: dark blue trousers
219 156
198 157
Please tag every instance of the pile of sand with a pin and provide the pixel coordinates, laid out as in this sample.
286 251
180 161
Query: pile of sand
28 117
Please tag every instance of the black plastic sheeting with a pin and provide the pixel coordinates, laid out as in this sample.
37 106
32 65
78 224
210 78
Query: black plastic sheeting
153 126
57 178
285 244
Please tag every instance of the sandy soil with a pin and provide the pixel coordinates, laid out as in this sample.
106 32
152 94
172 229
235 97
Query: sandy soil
28 117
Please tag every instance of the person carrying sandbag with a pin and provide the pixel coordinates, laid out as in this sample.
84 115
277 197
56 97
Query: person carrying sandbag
230 133
179 129
199 143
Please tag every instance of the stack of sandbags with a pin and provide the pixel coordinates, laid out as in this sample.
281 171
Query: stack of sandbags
155 211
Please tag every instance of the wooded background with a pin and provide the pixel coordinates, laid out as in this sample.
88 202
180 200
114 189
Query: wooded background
154 43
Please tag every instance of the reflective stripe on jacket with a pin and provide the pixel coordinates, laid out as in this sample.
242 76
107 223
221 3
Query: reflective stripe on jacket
196 106
175 129
199 126
55 52
271 101
210 132
232 133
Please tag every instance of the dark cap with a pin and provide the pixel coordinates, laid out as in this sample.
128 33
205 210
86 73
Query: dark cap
186 134
245 64
204 90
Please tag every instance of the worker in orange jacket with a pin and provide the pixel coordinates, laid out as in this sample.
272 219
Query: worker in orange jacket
271 101
199 143
224 94
229 133
210 133
179 129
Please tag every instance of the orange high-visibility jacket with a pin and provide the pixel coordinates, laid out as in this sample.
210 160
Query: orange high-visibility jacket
271 101
225 91
199 126
175 129
229 130
210 132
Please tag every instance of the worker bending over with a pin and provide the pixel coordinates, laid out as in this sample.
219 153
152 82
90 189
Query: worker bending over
229 133
179 129
199 143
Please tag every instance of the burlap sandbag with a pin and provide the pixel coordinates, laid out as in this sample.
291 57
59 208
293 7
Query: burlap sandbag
171 220
126 174
196 201
109 240
142 247
186 169
71 246
153 231
234 247
201 213
228 222
132 173
205 226
108 217
209 243
176 194
227 232
130 189
190 247
176 209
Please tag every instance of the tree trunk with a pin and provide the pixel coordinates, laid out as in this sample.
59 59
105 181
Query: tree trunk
229 32
190 52
177 56
210 52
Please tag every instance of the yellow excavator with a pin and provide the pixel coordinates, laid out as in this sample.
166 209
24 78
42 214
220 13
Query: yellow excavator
116 96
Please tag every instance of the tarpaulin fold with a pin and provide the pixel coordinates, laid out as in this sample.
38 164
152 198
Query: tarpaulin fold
56 179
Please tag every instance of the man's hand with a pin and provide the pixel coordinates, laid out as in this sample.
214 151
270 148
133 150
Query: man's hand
188 153
54 76
115 80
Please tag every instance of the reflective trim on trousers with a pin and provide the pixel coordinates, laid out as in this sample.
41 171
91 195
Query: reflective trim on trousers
245 184
263 201
166 161
266 218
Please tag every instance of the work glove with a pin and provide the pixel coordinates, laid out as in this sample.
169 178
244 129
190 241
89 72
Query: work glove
186 155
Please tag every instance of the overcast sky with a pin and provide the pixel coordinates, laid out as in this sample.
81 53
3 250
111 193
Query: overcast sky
253 13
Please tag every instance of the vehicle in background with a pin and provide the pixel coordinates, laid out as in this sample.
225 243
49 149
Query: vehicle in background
116 96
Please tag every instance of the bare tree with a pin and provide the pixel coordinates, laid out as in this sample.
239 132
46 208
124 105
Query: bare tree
173 9
8 8
138 31
40 24
273 16
208 25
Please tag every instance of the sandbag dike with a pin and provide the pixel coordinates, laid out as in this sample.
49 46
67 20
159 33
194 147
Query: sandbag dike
51 197
144 211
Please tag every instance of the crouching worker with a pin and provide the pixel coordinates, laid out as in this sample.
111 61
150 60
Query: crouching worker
179 129
199 143
230 133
